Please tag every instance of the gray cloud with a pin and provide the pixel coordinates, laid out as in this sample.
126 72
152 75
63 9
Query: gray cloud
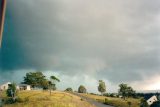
114 40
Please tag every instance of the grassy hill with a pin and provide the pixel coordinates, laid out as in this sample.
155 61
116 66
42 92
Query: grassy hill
43 99
116 102
63 99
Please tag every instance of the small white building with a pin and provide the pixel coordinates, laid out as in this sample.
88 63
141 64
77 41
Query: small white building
4 86
152 100
24 87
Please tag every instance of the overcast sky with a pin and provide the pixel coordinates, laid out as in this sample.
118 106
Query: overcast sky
82 41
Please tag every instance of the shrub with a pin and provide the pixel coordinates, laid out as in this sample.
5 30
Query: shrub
112 95
11 91
106 94
93 94
69 89
106 101
82 99
9 101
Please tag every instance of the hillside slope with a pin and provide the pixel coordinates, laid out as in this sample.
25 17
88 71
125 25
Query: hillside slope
43 99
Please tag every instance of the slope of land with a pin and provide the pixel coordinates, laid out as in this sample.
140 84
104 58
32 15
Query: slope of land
43 99
116 102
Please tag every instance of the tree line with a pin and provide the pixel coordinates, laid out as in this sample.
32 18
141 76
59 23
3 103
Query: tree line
39 80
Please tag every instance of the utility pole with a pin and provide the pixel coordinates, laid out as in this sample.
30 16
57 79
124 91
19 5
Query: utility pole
2 18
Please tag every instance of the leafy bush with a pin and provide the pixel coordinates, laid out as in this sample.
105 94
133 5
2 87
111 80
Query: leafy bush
69 89
9 101
106 94
106 101
112 95
11 91
82 99
11 94
93 94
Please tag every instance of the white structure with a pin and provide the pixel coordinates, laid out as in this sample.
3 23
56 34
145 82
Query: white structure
24 87
5 86
152 100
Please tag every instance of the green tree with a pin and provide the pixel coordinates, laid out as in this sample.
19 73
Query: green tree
52 85
102 87
11 91
35 79
45 84
130 92
82 89
54 79
69 89
123 90
126 91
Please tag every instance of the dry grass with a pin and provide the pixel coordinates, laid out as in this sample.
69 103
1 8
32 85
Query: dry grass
116 102
43 99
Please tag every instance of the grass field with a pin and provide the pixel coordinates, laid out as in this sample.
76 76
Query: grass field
43 99
116 102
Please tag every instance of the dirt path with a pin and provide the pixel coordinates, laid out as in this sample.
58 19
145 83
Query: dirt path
91 101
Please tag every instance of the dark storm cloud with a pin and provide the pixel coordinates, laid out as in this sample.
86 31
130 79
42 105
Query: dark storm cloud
101 39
